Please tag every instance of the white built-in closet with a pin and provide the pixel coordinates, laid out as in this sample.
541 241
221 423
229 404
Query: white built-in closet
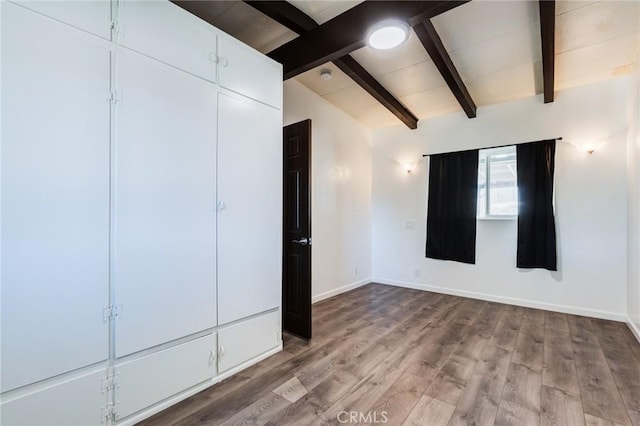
141 209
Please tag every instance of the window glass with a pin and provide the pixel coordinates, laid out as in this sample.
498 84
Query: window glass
482 185
497 183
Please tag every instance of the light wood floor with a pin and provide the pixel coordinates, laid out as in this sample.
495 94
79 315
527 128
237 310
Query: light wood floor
430 359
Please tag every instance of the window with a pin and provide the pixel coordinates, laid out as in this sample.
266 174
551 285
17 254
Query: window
497 183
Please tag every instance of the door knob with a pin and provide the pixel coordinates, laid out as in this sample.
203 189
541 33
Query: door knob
303 241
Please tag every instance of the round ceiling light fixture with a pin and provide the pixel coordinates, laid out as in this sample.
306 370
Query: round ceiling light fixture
387 35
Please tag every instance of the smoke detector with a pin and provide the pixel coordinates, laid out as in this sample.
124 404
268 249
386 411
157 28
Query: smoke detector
326 74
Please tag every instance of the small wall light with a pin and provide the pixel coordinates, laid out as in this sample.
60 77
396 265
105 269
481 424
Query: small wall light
409 167
592 147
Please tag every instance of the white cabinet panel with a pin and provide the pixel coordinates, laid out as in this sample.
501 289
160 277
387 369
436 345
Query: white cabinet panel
92 16
162 30
153 378
250 217
77 402
247 339
55 198
164 204
248 72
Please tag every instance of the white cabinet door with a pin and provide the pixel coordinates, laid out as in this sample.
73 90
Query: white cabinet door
55 198
92 16
164 204
248 72
247 339
164 31
153 378
250 204
76 402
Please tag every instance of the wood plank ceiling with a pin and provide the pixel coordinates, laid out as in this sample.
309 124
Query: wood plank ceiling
490 51
293 18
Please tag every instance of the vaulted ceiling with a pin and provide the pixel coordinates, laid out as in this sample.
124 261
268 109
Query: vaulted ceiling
494 47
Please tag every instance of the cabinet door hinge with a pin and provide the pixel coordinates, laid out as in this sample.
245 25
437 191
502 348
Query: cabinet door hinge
117 32
116 27
109 413
213 57
111 312
110 383
114 98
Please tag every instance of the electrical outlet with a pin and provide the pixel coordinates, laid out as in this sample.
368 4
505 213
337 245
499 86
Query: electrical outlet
356 272
416 273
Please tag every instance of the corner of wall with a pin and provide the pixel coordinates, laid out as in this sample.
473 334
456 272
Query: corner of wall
341 192
633 202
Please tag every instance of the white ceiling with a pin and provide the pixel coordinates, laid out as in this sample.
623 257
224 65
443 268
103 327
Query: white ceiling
323 11
495 46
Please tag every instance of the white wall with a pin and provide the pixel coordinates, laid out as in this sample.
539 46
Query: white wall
591 204
633 208
341 192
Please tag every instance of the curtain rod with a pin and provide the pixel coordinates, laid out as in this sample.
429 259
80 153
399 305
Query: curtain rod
490 147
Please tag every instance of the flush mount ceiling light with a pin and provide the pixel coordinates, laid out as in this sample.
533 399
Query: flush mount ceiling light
387 35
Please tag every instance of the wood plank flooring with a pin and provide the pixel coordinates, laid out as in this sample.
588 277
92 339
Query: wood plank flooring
395 356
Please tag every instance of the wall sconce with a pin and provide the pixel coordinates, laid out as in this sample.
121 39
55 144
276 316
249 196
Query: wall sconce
588 145
341 174
408 163
409 167
590 148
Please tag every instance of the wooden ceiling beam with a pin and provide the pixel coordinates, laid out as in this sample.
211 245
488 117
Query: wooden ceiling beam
436 50
365 80
285 14
346 32
291 17
547 39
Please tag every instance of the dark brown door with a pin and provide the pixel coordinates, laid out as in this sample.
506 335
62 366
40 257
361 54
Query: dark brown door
296 285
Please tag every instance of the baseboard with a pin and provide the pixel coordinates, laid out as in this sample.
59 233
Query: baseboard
565 309
336 291
634 329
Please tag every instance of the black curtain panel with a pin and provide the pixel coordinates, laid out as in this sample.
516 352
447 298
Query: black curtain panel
536 224
451 211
